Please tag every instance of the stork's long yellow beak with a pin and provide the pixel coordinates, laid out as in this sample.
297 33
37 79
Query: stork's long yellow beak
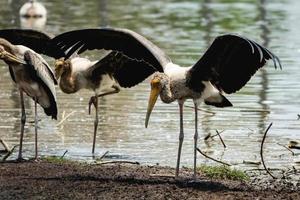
11 58
155 90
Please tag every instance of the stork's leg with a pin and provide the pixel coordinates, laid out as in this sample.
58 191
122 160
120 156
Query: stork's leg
94 101
181 137
35 129
23 120
195 139
116 90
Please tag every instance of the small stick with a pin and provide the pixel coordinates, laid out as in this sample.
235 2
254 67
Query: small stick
7 149
261 152
64 119
9 153
119 162
221 138
212 158
64 154
217 134
286 148
103 155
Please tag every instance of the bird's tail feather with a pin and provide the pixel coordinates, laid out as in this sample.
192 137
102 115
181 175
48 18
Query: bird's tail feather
218 101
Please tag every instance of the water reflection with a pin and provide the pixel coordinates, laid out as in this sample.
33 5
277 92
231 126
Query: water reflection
184 30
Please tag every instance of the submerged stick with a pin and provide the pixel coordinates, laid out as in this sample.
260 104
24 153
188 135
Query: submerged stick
221 138
212 158
261 151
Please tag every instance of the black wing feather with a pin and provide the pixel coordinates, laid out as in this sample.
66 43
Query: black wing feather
35 40
128 72
126 41
229 63
39 71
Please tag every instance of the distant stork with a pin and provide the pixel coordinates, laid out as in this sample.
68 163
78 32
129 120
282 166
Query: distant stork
33 9
33 15
226 67
30 72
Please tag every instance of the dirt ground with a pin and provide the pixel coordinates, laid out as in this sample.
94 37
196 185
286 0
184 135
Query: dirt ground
51 180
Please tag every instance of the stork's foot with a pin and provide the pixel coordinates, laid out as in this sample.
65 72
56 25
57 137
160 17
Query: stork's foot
20 159
93 100
36 160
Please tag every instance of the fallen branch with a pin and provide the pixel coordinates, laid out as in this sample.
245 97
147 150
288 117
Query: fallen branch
212 158
261 152
118 162
65 118
221 138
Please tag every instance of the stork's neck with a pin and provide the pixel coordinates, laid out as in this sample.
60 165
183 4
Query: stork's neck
166 94
68 83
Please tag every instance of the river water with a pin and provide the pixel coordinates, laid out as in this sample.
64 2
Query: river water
184 30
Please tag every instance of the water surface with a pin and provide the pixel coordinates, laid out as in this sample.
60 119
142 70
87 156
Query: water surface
184 30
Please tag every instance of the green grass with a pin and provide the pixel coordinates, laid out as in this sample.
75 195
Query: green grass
223 172
56 159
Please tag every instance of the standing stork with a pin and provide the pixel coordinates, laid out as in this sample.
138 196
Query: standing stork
30 72
103 77
225 67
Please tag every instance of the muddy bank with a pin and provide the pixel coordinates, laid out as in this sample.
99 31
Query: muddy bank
51 180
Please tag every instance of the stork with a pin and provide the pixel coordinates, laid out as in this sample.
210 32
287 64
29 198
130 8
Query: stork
33 9
33 15
104 77
226 66
30 72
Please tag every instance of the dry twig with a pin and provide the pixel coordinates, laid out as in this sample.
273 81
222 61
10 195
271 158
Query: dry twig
221 138
261 151
286 148
6 148
103 155
9 153
64 154
212 158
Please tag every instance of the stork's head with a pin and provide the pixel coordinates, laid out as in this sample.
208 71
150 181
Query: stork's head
158 82
7 52
61 66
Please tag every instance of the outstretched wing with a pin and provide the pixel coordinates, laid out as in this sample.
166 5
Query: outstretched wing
128 72
35 40
229 63
125 41
40 72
